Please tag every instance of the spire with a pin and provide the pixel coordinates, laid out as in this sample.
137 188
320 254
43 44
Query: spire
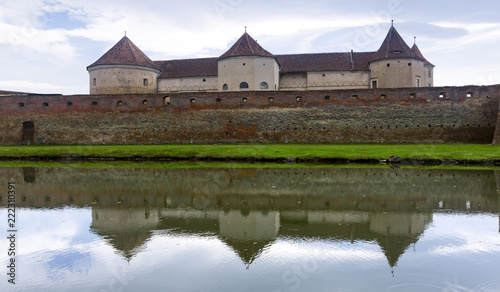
419 54
125 53
394 47
246 46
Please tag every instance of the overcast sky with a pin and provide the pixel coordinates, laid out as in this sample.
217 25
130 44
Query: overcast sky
45 46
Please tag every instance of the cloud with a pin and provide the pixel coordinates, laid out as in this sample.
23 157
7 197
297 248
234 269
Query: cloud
28 86
54 32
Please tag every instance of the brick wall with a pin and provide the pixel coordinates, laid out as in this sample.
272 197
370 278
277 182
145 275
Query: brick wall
438 114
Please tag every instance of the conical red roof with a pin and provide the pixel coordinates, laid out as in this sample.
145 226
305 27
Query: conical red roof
125 53
394 47
419 54
246 46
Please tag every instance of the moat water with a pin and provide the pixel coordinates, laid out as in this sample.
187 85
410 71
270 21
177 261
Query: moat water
251 229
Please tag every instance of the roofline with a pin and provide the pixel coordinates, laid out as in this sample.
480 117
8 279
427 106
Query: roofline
246 55
93 67
394 58
189 76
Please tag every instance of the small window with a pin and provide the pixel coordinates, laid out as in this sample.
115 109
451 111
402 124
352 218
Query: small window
145 81
204 80
271 99
388 65
327 97
418 82
145 102
469 94
192 100
429 85
374 84
244 64
299 98
94 82
45 104
119 103
225 87
69 104
413 95
355 96
442 95
409 64
94 103
243 85
264 85
21 104
218 100
244 99
429 73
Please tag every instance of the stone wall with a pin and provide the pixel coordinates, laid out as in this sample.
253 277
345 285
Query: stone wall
442 114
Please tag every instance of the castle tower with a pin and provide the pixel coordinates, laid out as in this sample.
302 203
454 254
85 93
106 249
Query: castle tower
429 67
396 65
247 66
124 69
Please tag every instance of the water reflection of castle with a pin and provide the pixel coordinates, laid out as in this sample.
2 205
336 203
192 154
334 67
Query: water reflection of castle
249 209
248 233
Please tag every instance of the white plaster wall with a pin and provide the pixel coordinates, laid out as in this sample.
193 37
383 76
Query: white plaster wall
188 84
122 79
293 81
250 69
429 80
338 80
399 74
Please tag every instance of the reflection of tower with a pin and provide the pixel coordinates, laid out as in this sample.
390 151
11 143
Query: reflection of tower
497 180
395 232
249 233
125 229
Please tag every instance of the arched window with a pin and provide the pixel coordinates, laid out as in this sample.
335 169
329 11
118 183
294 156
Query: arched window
243 85
264 85
225 87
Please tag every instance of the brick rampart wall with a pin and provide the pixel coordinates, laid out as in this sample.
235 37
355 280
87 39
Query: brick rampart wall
437 114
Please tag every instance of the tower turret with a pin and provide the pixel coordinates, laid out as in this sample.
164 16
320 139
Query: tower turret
429 67
247 66
124 69
395 64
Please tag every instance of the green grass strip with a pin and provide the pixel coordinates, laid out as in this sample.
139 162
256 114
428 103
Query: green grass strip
260 151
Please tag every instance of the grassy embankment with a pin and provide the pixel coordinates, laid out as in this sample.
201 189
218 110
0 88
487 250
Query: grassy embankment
262 152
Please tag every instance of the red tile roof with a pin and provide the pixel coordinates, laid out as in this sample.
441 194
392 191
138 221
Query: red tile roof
125 53
394 47
188 68
324 62
419 54
246 46
297 63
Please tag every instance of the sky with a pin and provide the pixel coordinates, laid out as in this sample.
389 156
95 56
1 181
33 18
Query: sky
46 45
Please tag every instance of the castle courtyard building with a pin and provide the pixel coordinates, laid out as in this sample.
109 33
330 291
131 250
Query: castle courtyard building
247 66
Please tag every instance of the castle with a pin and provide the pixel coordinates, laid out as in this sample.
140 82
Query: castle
248 95
246 66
